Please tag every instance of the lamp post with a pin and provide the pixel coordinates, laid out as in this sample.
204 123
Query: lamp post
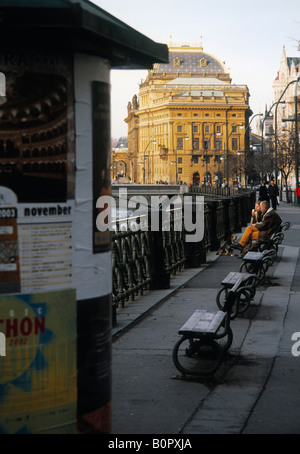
206 149
227 151
275 144
174 162
248 127
151 141
219 135
185 138
113 165
262 132
296 135
256 115
295 119
209 142
240 175
220 159
262 141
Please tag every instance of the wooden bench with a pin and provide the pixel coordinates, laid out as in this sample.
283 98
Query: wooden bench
268 244
272 242
202 322
232 278
258 263
249 281
285 226
205 336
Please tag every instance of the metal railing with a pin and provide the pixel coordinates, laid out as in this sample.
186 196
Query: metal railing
146 260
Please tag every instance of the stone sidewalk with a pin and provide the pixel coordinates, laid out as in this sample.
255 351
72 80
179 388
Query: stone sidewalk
256 390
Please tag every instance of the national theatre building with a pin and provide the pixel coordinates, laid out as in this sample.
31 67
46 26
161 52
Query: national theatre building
188 122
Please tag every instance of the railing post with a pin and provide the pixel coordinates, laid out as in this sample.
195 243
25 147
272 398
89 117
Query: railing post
243 210
160 275
237 213
228 216
195 252
215 234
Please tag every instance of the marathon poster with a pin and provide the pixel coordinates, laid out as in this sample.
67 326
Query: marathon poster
38 390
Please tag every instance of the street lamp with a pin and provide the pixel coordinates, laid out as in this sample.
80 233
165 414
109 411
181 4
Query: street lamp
256 115
262 134
113 165
248 127
220 159
295 119
275 138
227 151
174 162
185 138
206 149
151 141
239 155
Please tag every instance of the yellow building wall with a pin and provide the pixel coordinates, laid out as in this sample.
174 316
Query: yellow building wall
166 114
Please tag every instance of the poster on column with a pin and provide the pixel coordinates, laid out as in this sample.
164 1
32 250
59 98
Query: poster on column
101 164
37 168
37 190
38 391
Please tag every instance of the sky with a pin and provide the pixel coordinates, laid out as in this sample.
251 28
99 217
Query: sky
247 36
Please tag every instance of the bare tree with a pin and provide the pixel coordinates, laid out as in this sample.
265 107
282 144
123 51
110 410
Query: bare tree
286 156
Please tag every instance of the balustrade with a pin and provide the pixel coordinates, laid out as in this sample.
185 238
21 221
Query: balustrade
143 259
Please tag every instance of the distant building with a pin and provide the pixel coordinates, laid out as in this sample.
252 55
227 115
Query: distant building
121 162
188 122
56 255
289 70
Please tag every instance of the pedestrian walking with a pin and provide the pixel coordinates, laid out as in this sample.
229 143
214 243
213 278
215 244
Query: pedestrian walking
263 192
273 194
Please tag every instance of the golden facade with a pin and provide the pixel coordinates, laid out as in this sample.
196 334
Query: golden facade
188 123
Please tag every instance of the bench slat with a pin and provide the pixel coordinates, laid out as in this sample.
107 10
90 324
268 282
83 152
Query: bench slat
253 256
232 278
202 321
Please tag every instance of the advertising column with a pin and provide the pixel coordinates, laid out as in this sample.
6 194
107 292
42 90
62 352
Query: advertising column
92 248
55 276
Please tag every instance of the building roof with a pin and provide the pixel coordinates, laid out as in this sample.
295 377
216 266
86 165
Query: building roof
78 25
291 60
196 81
210 86
198 93
186 59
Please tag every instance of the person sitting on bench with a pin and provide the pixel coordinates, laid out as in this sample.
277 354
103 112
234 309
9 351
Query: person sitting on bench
261 230
256 214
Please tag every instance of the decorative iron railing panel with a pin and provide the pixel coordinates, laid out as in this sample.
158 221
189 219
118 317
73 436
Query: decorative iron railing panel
130 264
144 260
